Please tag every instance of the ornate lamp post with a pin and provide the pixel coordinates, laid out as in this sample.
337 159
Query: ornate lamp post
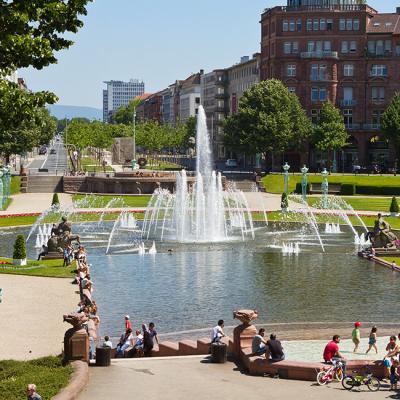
286 168
134 165
324 188
304 181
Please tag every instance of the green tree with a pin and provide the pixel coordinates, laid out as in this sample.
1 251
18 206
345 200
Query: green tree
391 123
19 248
55 201
124 115
394 206
330 133
269 119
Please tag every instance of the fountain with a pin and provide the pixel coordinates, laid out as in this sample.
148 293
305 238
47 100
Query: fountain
202 211
290 248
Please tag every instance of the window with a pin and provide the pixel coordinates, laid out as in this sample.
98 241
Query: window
299 25
285 25
345 47
356 25
348 70
379 48
348 117
353 46
342 24
287 47
388 46
295 47
315 116
348 94
314 72
327 45
314 94
318 94
322 24
376 118
397 49
349 24
316 24
309 24
291 70
329 24
292 89
378 94
379 70
292 25
318 72
310 46
322 94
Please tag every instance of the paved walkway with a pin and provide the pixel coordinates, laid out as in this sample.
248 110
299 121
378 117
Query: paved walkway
196 379
35 202
31 324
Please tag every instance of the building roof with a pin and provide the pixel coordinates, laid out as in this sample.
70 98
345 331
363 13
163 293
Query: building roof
143 96
384 23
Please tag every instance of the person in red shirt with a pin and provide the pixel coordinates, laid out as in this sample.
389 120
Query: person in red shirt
128 324
332 353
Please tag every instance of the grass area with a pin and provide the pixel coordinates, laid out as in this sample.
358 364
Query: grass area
46 268
391 259
15 186
17 221
90 164
48 373
361 203
274 182
94 201
162 165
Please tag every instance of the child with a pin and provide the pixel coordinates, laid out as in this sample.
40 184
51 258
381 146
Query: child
372 340
355 335
394 376
128 324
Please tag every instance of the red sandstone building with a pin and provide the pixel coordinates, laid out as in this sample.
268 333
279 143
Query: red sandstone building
342 51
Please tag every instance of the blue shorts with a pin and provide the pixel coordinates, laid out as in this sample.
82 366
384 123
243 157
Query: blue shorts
393 379
386 362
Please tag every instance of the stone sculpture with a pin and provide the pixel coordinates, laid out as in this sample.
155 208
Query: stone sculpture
76 339
245 316
382 235
61 237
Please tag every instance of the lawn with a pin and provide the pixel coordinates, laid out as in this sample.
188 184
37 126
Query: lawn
274 182
17 221
48 373
15 186
391 259
45 268
95 201
157 165
361 203
90 164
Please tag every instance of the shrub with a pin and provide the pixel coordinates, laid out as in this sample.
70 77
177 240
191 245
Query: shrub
284 201
378 190
348 189
298 189
394 207
19 248
55 201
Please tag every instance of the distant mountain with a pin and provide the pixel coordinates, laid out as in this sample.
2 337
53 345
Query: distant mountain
61 112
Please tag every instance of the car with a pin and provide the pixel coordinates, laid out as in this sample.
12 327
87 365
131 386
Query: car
231 162
42 150
53 151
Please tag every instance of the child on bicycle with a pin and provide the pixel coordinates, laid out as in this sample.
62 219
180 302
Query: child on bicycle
372 340
394 374
356 336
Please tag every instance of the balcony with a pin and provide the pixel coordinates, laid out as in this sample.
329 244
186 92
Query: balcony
348 103
387 53
319 54
374 127
221 96
352 127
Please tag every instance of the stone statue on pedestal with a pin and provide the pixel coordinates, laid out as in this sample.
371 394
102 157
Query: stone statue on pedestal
61 237
382 235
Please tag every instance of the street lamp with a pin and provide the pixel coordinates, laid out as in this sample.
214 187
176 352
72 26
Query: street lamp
304 181
324 188
286 168
134 165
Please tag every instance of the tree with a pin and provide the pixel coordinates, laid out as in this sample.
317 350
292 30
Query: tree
394 206
19 248
124 114
55 201
391 123
269 119
190 134
330 133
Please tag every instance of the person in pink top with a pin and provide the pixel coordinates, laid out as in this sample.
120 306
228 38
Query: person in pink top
332 353
128 324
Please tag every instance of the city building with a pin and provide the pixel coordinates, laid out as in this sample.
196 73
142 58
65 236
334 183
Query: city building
214 100
344 51
119 94
189 97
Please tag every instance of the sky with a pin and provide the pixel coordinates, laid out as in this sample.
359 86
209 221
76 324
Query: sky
158 41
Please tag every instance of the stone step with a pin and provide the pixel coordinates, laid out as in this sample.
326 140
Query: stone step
168 349
188 348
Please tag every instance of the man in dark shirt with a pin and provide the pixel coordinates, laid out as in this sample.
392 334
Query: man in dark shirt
274 349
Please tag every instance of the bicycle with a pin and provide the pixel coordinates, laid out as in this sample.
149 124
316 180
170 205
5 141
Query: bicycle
358 379
335 371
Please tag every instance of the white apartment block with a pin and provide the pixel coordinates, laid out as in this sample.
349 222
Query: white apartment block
119 94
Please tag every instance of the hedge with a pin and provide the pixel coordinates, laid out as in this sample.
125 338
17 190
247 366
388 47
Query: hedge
299 189
394 207
19 248
379 190
347 189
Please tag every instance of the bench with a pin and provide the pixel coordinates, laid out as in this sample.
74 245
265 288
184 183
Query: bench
315 188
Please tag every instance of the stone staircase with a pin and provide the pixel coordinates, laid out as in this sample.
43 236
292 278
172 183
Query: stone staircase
41 184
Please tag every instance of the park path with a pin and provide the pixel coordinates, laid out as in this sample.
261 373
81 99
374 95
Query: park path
182 378
31 315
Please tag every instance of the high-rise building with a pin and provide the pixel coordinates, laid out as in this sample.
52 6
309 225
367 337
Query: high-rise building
119 94
344 51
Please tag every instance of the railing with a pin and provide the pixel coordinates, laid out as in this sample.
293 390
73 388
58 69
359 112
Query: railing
319 54
348 103
387 53
351 127
341 7
372 126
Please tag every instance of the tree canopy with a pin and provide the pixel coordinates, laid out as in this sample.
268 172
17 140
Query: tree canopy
330 132
269 119
124 115
391 123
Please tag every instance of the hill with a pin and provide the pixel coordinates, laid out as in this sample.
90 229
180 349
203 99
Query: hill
61 112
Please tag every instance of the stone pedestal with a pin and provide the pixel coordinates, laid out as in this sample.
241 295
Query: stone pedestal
76 345
243 337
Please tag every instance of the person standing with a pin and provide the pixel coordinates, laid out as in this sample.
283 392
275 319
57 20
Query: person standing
356 336
31 392
128 324
372 340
